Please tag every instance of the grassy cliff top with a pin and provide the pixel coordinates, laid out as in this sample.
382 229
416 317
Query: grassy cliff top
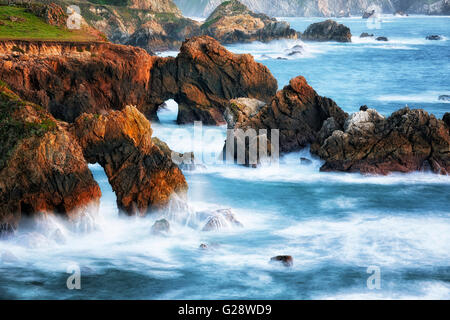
17 23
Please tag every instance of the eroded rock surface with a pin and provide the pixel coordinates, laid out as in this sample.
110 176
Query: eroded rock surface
233 22
42 168
205 76
298 112
142 175
328 30
74 78
409 140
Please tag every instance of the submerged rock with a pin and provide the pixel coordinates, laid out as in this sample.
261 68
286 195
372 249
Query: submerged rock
368 14
220 219
306 161
161 227
444 97
233 22
382 39
142 175
8 257
328 30
287 261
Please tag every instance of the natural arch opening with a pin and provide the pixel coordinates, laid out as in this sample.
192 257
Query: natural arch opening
168 112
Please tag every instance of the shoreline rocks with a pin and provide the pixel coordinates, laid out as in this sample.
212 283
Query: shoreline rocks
42 168
408 140
433 37
297 111
286 261
142 175
101 77
328 30
233 22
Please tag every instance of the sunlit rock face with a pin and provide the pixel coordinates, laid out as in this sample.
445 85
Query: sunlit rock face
98 77
141 174
42 167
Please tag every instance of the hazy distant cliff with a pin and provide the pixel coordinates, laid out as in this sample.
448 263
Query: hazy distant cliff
317 7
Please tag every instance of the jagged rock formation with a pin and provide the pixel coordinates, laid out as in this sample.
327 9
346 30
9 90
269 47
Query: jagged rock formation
328 30
409 140
100 76
42 168
52 13
233 22
151 24
297 111
205 76
142 176
72 78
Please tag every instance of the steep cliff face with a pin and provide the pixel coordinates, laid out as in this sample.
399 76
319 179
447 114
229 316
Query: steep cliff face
74 78
151 24
42 168
308 8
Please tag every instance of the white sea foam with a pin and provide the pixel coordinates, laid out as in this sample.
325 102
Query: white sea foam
424 97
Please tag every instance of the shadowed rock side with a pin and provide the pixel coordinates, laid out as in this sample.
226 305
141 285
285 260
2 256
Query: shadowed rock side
141 174
74 78
204 77
233 22
409 140
328 30
42 168
366 142
297 111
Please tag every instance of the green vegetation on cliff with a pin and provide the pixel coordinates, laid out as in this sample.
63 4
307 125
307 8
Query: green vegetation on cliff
16 124
18 23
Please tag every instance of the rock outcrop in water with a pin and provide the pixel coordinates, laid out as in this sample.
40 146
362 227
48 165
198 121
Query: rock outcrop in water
42 168
142 175
409 140
366 142
74 78
297 111
204 77
233 22
328 30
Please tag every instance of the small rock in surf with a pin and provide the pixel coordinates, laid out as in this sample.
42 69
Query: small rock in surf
434 37
286 261
161 227
365 35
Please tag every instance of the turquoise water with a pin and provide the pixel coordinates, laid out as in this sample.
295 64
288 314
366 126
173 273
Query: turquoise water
335 225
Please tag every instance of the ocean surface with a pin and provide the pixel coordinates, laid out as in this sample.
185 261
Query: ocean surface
338 227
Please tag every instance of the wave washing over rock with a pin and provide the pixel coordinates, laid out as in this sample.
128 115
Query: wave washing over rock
285 230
